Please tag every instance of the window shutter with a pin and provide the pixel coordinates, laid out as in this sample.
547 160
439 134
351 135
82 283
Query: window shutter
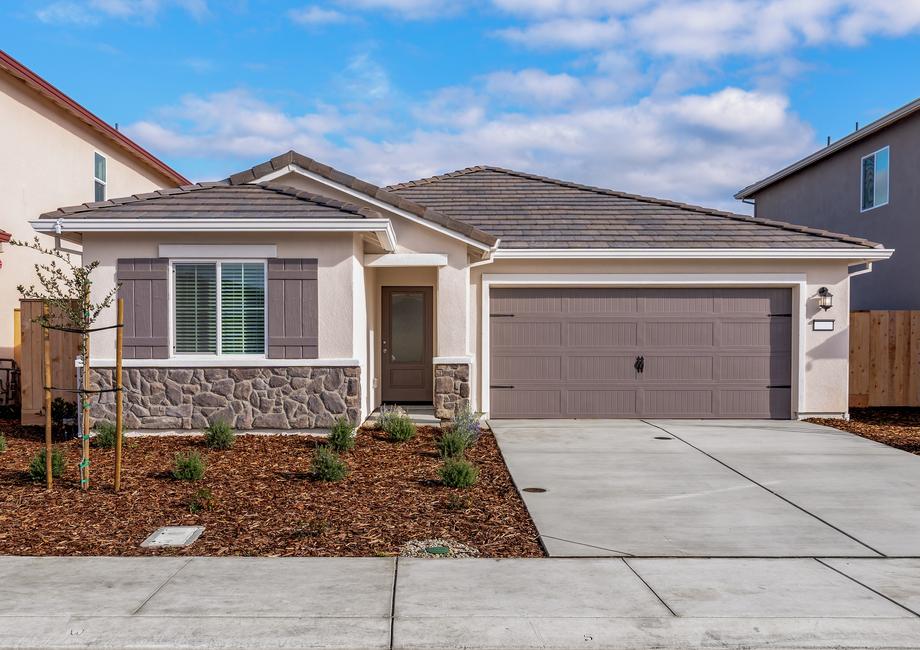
144 287
293 315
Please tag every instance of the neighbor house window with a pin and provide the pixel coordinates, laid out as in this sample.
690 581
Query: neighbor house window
99 177
219 308
875 179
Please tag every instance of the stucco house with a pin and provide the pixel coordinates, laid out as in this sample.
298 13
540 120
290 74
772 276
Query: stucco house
55 152
864 184
291 292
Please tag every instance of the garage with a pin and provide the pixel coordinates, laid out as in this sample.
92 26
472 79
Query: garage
605 352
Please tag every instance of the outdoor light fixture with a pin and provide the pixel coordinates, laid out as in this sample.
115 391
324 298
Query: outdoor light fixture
825 299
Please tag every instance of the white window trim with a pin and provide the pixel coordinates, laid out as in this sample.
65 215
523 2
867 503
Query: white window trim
197 357
797 282
96 179
862 179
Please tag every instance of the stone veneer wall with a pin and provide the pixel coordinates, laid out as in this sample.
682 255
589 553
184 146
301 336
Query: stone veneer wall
451 389
248 398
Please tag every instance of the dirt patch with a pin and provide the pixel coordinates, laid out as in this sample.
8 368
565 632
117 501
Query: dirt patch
896 427
259 499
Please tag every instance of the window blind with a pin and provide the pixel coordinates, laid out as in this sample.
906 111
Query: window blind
242 308
196 308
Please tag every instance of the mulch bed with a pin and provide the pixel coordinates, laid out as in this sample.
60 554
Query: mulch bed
263 500
896 427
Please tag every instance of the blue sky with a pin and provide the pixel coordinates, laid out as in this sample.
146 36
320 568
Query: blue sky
683 99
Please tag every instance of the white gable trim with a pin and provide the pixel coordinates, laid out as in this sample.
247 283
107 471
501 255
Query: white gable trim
377 203
693 253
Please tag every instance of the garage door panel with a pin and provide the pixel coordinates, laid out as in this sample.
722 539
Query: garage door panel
536 403
679 334
675 402
512 332
708 352
678 368
767 368
601 368
531 368
594 334
601 403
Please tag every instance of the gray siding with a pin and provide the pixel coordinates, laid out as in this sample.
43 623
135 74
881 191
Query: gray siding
827 195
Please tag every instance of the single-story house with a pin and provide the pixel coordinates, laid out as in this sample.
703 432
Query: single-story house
291 293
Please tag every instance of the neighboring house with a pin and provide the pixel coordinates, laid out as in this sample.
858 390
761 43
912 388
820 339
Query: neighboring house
55 152
291 293
865 184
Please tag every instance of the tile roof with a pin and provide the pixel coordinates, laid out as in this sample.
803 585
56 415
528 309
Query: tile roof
334 175
219 201
16 69
530 211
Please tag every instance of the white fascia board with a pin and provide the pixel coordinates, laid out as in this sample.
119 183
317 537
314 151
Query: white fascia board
377 203
64 225
693 253
405 259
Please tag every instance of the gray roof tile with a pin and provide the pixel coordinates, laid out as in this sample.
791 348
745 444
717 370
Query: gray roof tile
530 211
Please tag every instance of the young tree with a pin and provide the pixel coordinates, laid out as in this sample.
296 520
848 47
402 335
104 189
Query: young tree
66 287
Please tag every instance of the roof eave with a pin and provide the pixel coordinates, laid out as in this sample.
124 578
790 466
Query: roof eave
821 154
860 254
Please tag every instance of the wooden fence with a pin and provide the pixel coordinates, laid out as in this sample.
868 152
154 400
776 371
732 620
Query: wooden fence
885 358
64 349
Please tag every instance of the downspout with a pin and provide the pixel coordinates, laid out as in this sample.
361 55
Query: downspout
477 372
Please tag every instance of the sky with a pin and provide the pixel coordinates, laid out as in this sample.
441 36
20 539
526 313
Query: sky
688 100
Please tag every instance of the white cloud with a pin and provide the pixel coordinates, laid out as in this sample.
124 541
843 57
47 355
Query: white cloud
90 12
697 147
574 33
534 86
315 15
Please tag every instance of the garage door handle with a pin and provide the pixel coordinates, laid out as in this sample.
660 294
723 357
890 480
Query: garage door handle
639 365
500 386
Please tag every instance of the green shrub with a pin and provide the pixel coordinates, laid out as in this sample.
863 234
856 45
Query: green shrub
452 443
188 466
458 473
37 466
396 423
327 466
342 435
2 443
219 435
466 421
106 434
201 500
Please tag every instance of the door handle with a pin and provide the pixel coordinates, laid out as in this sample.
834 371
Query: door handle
639 365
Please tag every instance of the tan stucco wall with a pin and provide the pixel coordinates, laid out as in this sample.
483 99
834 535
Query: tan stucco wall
339 293
46 162
825 353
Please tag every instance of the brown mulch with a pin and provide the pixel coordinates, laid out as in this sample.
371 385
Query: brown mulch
263 500
895 427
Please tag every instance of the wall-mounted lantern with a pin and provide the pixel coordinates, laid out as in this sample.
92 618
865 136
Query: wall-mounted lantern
825 299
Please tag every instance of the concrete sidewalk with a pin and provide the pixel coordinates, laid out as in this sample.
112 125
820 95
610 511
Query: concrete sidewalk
388 603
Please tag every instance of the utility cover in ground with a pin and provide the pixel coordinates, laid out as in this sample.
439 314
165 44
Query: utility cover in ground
173 536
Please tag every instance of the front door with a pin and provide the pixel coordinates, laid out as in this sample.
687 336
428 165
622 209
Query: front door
406 345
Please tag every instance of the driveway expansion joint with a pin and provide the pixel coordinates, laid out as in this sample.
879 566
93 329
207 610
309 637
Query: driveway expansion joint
764 487
655 593
865 586
162 584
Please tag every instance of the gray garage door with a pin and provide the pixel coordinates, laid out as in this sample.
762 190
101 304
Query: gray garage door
623 353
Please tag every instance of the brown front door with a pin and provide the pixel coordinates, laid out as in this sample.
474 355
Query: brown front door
406 345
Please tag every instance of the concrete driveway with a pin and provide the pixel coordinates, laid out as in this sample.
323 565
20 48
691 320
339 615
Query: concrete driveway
692 488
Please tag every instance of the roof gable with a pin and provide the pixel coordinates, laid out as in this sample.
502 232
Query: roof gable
38 85
530 211
878 125
412 209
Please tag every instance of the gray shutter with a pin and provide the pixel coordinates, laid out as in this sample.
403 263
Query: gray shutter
144 287
293 315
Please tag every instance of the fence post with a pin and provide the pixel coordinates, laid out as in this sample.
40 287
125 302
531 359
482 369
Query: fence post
46 353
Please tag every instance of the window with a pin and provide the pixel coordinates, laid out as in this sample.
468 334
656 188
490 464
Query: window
99 177
874 179
219 308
